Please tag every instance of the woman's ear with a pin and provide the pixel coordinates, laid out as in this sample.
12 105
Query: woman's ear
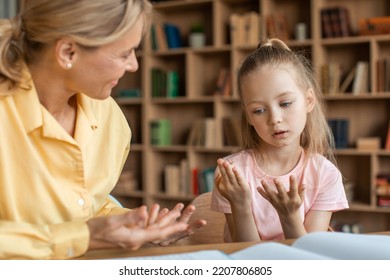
65 52
310 100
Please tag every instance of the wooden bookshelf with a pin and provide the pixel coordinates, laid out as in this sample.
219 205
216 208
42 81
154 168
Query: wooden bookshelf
368 113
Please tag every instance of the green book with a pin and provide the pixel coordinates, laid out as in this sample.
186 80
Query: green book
161 132
172 84
153 37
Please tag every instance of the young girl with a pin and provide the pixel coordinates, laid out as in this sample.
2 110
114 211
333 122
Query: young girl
283 184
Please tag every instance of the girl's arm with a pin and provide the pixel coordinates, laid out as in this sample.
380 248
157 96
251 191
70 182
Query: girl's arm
236 190
287 204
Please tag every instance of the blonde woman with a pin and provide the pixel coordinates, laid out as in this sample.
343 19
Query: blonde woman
63 139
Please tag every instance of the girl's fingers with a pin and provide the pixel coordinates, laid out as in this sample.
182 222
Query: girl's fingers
222 169
279 187
238 177
301 192
225 169
264 190
293 186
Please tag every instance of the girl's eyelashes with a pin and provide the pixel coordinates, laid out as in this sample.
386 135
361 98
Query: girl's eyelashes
286 104
259 111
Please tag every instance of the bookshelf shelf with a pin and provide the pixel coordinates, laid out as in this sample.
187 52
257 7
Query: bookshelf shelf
198 69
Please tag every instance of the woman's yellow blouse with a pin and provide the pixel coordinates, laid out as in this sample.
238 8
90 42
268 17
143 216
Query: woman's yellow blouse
51 183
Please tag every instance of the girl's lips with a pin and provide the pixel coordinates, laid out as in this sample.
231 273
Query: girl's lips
280 134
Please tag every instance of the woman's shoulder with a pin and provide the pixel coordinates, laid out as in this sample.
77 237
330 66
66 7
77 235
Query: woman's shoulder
106 108
105 112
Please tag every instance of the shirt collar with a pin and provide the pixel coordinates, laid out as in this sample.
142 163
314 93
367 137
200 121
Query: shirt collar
30 109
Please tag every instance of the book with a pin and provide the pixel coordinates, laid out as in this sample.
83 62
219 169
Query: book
172 84
206 179
252 28
340 130
345 22
184 177
387 144
312 246
159 78
380 75
360 82
326 23
237 29
347 82
231 131
195 181
222 80
277 26
8 8
335 22
160 132
374 26
153 37
172 179
172 33
330 78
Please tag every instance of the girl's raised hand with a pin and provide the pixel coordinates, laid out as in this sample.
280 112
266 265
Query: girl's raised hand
232 185
285 202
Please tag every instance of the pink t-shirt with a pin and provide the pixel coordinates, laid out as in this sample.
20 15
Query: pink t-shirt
324 190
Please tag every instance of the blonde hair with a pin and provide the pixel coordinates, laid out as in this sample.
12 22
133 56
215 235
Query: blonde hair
273 53
91 23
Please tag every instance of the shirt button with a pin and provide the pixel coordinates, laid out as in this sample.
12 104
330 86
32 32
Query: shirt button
69 253
81 202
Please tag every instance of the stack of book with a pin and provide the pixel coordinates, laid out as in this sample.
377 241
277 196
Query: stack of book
165 36
165 83
244 29
335 22
383 189
340 130
383 74
334 80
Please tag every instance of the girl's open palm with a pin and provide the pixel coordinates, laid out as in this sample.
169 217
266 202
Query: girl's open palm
232 185
285 202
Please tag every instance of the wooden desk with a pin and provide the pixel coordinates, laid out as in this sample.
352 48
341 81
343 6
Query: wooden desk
152 250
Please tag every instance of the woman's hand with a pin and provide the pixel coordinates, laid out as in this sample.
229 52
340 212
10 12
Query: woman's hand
232 186
157 216
132 230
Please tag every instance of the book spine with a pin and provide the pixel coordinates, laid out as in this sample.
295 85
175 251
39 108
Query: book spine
172 84
172 33
161 132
